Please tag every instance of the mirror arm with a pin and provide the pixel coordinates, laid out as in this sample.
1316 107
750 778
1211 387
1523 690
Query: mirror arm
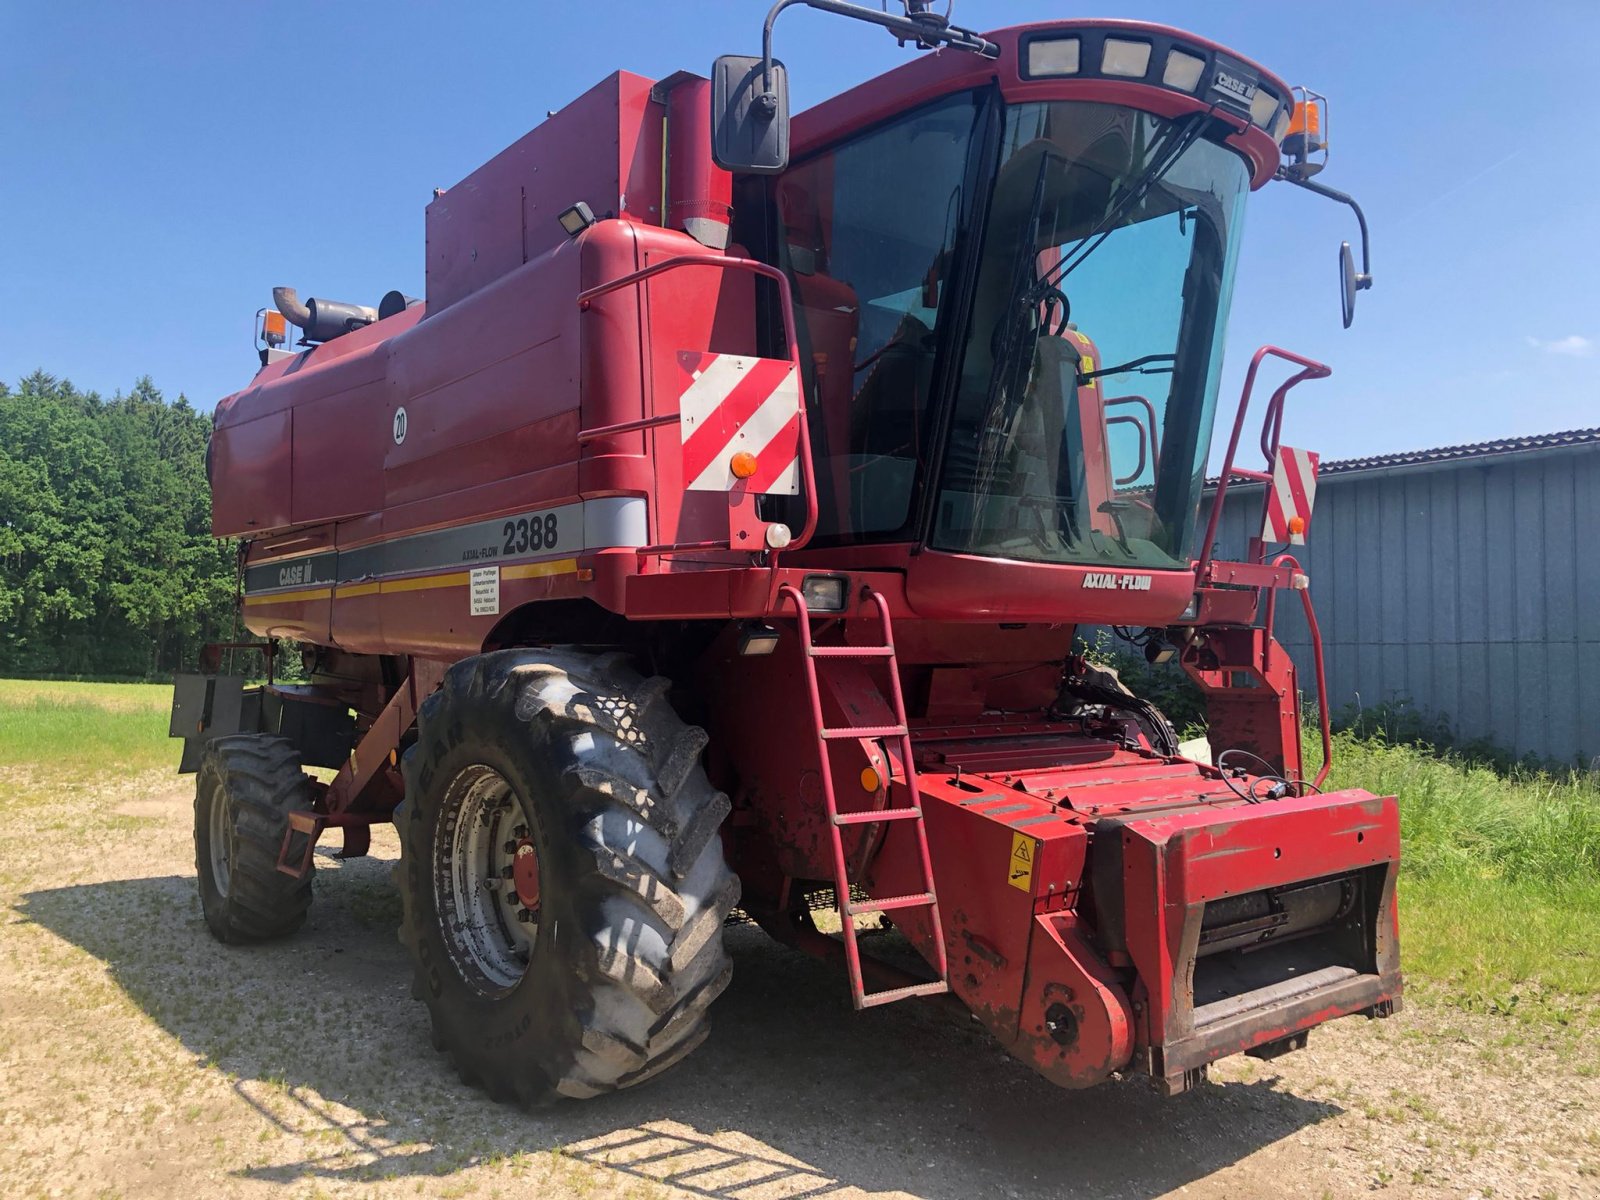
1365 281
929 31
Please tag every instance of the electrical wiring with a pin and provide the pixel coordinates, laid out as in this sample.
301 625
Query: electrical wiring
1267 775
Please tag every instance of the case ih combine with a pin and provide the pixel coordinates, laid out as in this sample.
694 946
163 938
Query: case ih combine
716 533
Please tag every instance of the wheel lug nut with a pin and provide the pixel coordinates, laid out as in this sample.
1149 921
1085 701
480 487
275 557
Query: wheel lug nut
505 872
525 914
510 847
521 831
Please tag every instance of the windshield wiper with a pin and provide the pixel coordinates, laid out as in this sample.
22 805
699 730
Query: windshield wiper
1173 143
1141 365
1010 334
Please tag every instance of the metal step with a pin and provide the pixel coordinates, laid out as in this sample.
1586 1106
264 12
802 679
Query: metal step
872 999
888 903
873 815
833 734
852 652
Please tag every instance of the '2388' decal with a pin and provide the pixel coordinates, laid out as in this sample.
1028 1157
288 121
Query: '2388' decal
529 533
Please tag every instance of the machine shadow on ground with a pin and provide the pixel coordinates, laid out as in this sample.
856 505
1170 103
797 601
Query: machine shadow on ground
793 1095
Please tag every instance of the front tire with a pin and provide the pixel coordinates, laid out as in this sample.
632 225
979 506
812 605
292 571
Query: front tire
562 875
246 787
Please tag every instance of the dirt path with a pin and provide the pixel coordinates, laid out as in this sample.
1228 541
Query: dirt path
140 1058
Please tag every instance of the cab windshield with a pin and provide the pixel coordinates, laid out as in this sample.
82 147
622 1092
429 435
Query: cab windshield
1084 368
1089 381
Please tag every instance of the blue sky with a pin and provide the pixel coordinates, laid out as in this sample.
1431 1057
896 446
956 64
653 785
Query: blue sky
165 164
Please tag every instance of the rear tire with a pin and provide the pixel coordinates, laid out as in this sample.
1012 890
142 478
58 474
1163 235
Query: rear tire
245 790
592 967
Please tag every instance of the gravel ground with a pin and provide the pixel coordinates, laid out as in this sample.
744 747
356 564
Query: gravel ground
140 1058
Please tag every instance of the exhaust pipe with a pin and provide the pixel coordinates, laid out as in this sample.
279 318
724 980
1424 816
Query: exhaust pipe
321 320
287 301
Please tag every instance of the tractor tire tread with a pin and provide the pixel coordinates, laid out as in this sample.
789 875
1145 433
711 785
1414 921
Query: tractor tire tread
636 829
260 778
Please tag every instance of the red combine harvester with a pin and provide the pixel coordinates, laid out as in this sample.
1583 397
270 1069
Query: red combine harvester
716 534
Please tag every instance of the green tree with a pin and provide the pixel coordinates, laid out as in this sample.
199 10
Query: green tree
107 564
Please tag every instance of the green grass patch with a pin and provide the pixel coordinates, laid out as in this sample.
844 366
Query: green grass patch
1500 947
84 729
1500 876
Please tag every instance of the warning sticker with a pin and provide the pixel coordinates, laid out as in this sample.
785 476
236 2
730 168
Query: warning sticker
1020 872
485 591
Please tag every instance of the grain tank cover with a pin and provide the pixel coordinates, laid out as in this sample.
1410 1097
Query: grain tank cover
603 149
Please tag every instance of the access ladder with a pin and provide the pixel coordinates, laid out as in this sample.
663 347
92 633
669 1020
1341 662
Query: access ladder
839 821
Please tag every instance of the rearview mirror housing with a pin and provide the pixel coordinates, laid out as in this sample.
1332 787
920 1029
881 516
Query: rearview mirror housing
749 117
1349 283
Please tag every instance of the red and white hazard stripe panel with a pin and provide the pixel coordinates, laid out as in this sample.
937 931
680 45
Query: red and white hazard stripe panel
739 419
1294 490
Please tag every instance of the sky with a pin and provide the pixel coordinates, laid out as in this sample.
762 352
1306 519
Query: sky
163 165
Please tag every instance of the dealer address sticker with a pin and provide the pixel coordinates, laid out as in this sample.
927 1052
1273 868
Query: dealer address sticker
485 591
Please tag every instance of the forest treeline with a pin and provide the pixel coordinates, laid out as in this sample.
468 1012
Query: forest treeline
107 564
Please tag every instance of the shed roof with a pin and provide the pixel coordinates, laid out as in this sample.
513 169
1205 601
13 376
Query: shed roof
1442 454
1566 439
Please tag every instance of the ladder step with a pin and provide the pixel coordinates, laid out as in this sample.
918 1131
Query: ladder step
872 999
878 814
888 904
895 709
864 731
852 652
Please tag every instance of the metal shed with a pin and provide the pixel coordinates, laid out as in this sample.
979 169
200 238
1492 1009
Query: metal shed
1465 580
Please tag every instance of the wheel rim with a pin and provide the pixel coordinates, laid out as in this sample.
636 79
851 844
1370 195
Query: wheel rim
218 843
486 880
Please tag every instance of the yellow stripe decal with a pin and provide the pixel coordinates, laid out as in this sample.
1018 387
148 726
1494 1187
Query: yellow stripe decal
560 566
290 597
423 582
539 570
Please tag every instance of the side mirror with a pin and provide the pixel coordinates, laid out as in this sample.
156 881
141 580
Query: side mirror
1349 282
749 115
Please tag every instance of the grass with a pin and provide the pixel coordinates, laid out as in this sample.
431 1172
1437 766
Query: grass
83 729
1500 888
1471 823
1500 883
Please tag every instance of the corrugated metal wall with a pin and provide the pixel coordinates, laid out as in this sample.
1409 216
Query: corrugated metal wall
1469 588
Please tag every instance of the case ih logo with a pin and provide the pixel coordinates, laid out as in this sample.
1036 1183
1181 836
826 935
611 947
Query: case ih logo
1113 582
1240 89
740 423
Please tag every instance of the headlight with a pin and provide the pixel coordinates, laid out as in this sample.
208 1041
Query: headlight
1128 59
824 593
1183 71
1053 56
1263 107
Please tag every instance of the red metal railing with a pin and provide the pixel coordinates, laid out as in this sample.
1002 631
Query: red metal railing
723 262
1293 564
1149 412
1272 420
1271 432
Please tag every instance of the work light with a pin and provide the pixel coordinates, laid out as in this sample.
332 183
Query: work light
576 219
824 593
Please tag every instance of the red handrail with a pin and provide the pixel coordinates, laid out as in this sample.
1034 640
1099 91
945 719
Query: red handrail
1311 369
807 471
1150 409
1316 658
